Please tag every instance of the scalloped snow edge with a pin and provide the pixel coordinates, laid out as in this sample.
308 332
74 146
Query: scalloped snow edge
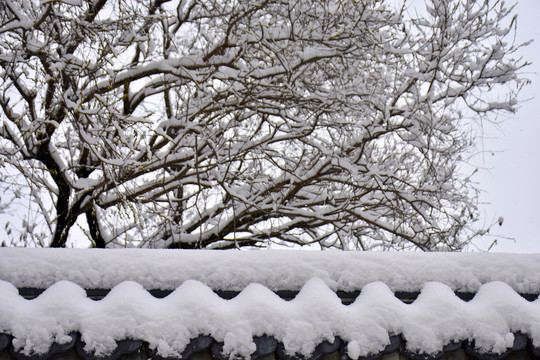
435 319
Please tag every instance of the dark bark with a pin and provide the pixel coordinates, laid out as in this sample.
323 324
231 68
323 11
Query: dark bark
93 225
65 218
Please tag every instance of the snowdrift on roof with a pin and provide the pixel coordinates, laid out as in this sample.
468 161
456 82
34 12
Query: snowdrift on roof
276 270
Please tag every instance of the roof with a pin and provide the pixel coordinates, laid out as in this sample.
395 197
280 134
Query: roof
276 270
494 320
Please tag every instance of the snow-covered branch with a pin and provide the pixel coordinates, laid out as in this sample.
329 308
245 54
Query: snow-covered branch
222 124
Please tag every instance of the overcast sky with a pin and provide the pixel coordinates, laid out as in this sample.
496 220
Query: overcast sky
512 178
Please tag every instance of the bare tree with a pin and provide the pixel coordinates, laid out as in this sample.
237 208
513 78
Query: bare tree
230 123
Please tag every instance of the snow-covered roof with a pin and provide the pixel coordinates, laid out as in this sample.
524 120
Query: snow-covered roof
192 317
276 270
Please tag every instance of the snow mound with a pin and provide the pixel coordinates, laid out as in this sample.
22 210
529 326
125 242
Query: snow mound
276 270
437 318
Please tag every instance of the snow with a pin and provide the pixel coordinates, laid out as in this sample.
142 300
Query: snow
67 2
436 318
275 269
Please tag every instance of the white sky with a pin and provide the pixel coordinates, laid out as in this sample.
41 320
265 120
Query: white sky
512 177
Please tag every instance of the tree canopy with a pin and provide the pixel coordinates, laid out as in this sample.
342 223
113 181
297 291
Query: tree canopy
231 123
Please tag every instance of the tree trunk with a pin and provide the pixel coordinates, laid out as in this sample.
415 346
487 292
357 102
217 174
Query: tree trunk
93 225
65 218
